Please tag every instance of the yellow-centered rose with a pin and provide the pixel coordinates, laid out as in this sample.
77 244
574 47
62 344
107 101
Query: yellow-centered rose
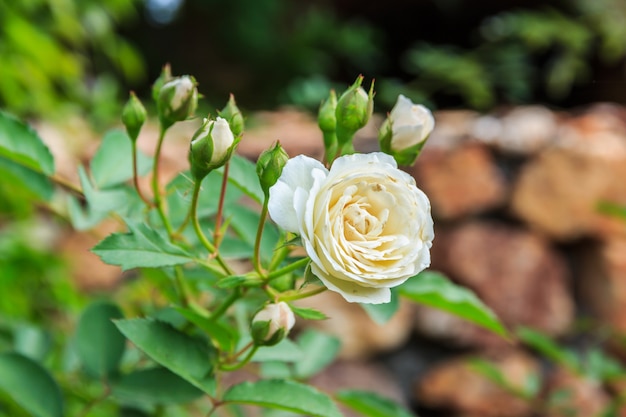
364 224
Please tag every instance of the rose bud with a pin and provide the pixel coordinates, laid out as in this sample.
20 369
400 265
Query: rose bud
233 116
177 101
353 111
272 324
133 116
210 148
404 132
270 165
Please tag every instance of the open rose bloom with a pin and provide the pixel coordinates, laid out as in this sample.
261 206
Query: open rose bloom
364 224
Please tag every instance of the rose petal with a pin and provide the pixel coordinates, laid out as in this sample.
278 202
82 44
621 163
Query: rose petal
352 291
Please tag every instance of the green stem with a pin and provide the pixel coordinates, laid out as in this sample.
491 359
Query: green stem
301 295
242 363
136 177
66 184
289 268
226 304
196 225
158 202
217 234
182 286
280 254
256 258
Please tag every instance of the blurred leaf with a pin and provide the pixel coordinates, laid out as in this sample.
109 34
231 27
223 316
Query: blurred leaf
600 367
21 144
435 290
612 209
30 385
101 200
140 247
371 404
113 162
191 358
149 387
99 344
319 350
285 351
548 348
222 335
242 173
36 184
382 313
284 395
32 342
246 225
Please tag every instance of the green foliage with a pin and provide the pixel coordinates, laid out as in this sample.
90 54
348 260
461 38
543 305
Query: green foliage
283 395
434 290
30 385
371 405
43 45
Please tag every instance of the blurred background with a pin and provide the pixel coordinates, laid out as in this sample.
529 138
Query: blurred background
68 55
524 171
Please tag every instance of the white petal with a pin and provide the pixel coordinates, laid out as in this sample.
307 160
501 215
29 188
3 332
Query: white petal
297 173
352 292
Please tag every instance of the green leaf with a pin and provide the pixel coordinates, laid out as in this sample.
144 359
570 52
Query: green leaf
435 290
149 387
612 209
101 200
113 162
242 173
382 313
83 219
283 395
285 351
21 144
319 350
246 224
32 341
99 344
30 385
37 184
308 313
141 247
547 347
233 281
189 357
371 404
221 335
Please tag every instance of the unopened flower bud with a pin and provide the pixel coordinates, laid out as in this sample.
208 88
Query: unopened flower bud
272 324
404 132
164 78
210 148
133 116
326 119
178 100
270 165
233 116
354 109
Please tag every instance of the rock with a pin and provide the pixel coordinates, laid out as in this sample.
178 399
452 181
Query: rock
558 192
571 395
360 336
459 386
524 130
460 181
513 271
602 281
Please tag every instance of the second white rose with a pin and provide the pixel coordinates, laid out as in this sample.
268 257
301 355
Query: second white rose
364 224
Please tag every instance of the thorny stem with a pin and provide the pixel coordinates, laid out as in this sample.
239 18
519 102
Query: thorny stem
136 177
256 259
196 225
158 203
217 234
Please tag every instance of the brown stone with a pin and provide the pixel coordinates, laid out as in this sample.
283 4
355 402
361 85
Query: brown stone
602 281
460 181
459 386
558 192
571 395
360 336
513 271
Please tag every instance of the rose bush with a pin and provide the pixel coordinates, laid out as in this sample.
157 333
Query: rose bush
364 224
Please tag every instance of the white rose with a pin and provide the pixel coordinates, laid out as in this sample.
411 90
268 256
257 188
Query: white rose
364 224
410 124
